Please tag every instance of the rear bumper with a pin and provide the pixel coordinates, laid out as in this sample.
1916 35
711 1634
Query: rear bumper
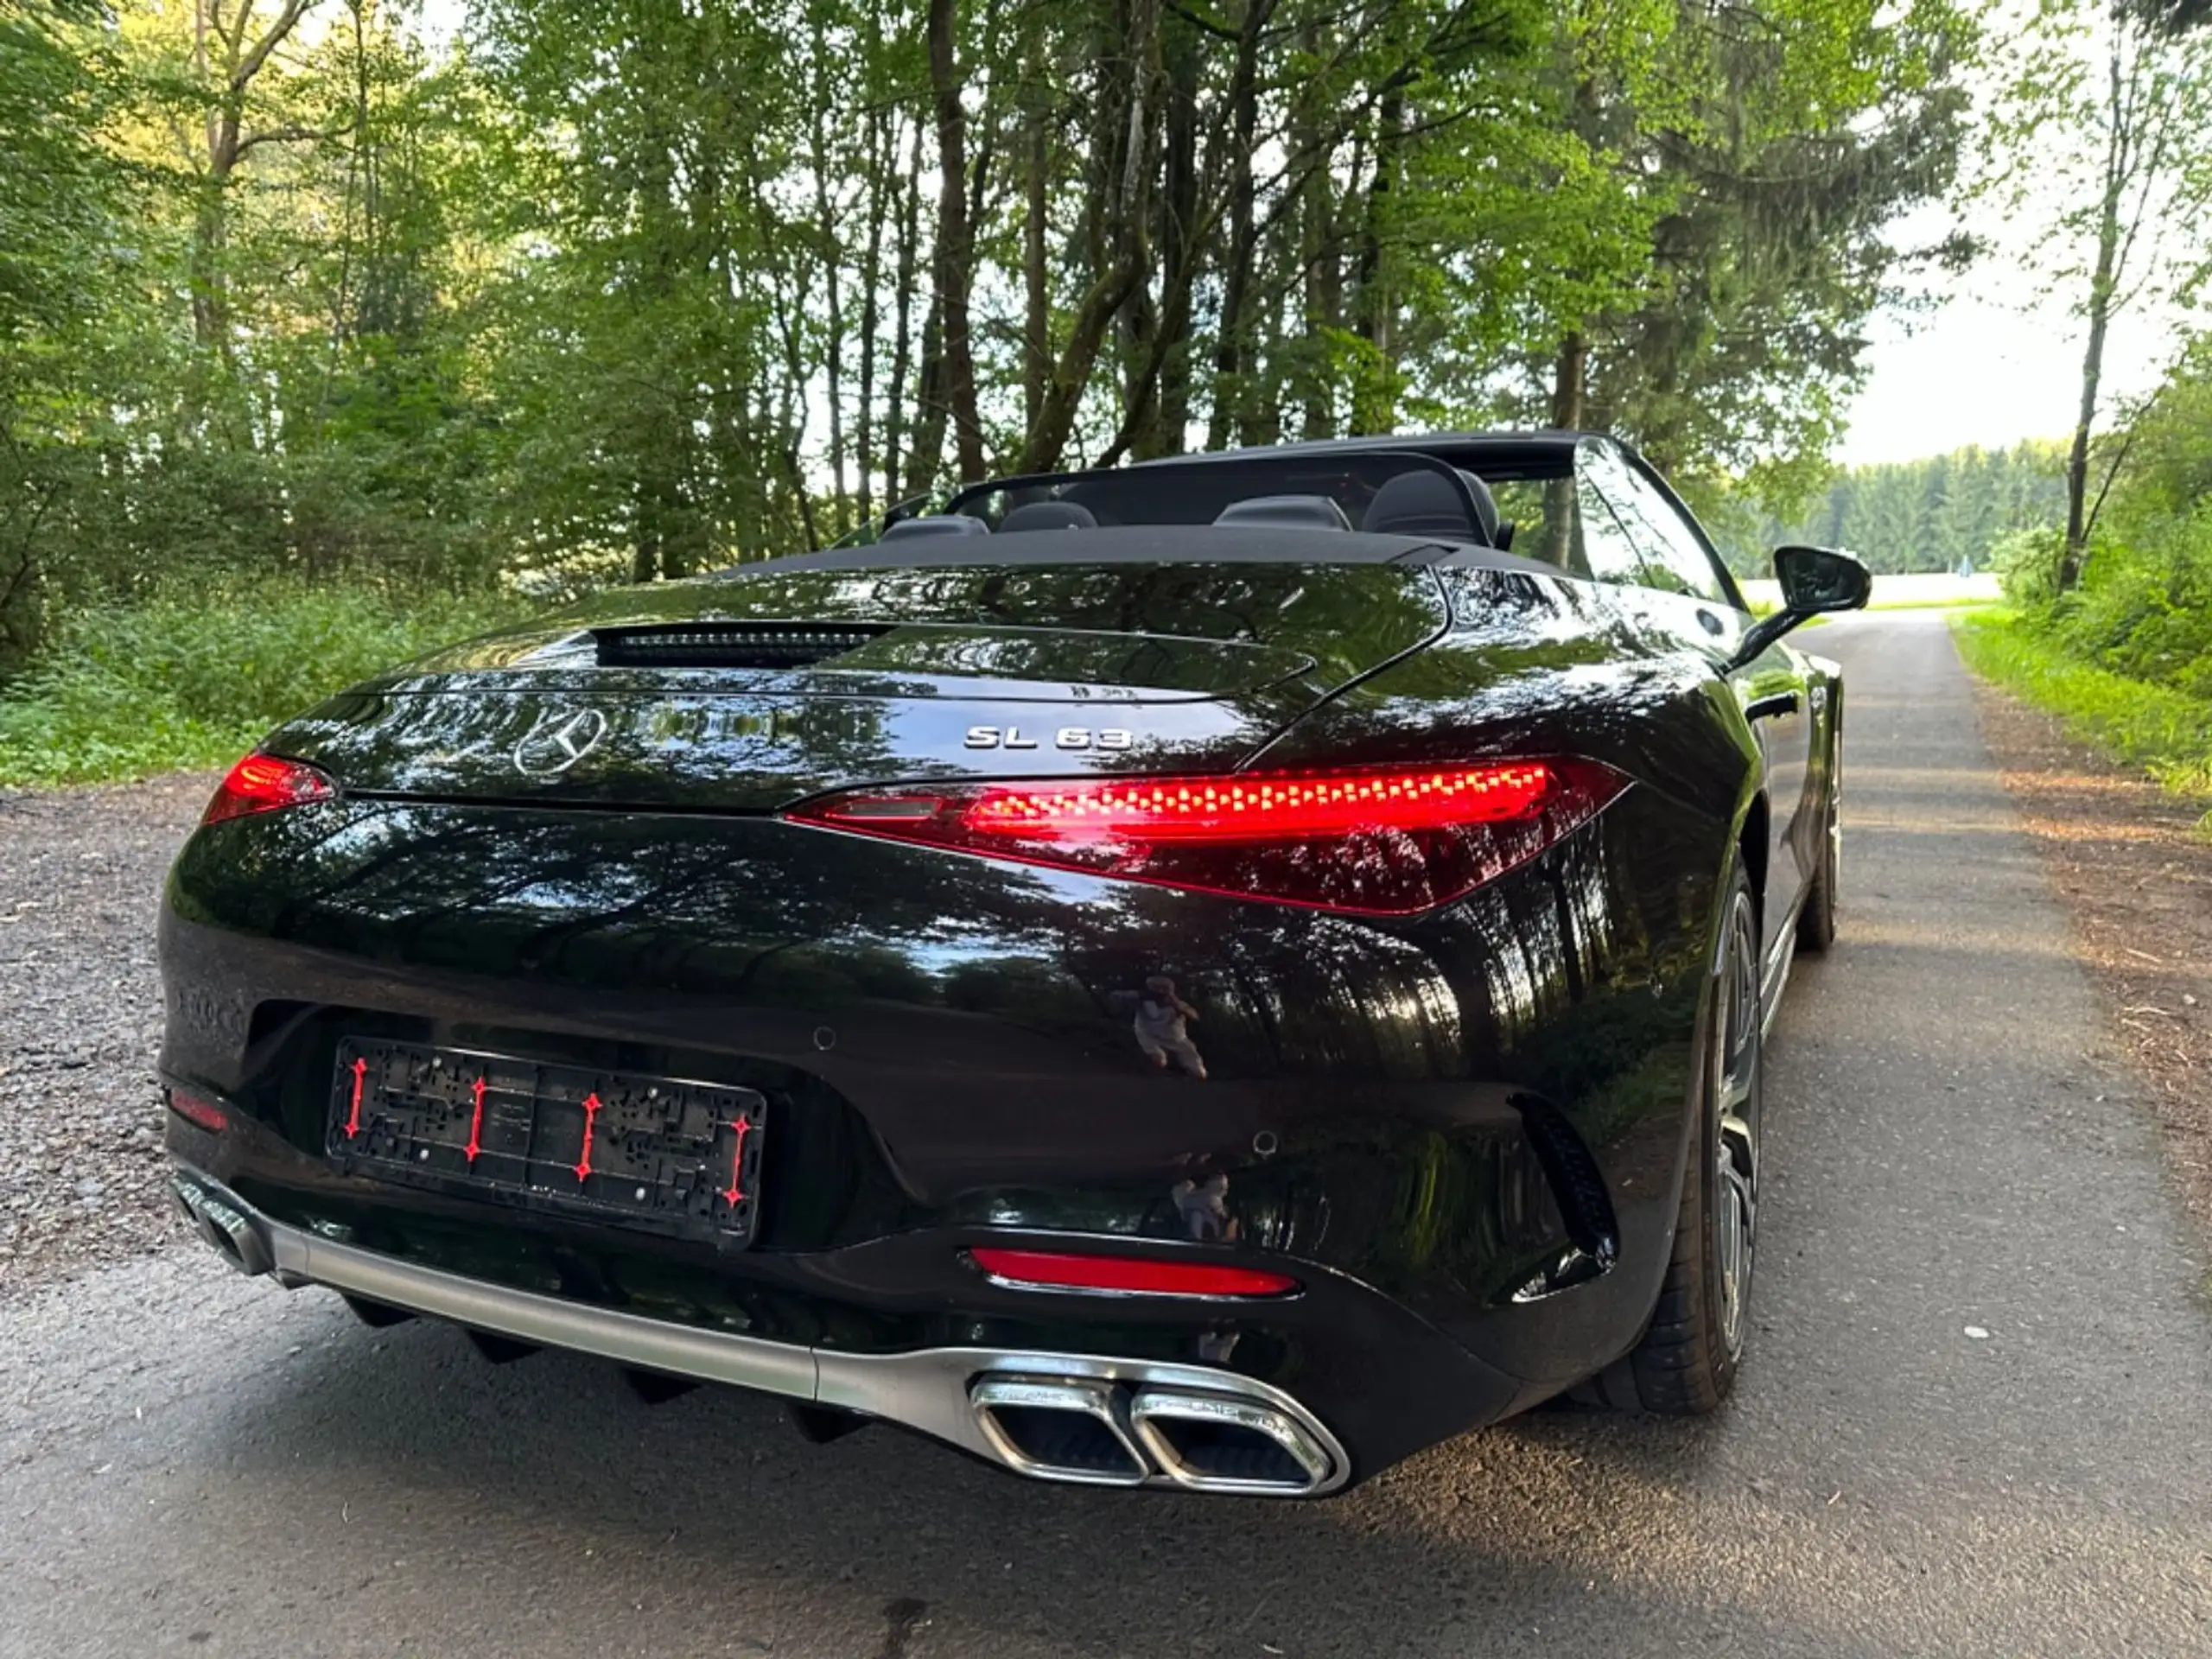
958 1396
1463 1133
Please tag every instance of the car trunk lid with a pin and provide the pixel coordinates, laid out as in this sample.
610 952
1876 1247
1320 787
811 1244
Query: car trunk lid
747 694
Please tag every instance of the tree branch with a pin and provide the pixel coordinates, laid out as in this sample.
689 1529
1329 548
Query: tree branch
250 65
290 135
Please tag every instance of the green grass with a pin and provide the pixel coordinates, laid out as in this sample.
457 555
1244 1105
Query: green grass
2161 730
194 678
1932 605
1766 607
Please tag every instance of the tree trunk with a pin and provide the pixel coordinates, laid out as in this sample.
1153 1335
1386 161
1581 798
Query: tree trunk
1317 264
1124 266
1168 416
2077 454
223 58
878 168
1374 400
1232 345
1143 335
1569 374
955 246
895 474
928 452
1568 377
1037 325
2119 149
831 252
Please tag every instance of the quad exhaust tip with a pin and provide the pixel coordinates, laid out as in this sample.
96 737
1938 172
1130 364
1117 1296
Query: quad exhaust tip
1097 1431
1062 1417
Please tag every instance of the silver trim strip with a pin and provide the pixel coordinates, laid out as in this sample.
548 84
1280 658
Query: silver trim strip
1780 981
927 1389
655 1344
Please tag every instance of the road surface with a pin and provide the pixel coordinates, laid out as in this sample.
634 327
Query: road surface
1976 1417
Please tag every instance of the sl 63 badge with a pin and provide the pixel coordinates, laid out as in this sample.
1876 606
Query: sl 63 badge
1068 737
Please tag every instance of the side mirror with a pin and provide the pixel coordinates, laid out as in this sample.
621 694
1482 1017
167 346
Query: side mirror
1813 580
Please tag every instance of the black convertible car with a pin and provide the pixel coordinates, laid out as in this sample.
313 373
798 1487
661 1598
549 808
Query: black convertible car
1217 974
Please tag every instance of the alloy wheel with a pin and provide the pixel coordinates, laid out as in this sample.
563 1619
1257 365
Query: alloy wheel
1735 1070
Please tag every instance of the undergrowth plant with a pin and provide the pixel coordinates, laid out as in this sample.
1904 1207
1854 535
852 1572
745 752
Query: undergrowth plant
193 678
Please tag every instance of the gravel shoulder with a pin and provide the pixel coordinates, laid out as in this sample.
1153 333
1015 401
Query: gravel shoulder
80 1022
2134 873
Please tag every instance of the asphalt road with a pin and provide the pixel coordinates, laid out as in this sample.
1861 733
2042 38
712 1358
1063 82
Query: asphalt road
191 1462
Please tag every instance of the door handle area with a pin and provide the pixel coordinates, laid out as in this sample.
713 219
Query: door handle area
1769 707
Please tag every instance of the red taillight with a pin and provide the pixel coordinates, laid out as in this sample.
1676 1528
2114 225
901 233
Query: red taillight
1050 1270
193 1109
1378 841
262 783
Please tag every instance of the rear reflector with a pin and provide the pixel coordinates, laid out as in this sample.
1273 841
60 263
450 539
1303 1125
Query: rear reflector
1375 841
263 783
1049 1270
203 1113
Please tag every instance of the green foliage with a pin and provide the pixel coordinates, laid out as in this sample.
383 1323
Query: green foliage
2026 562
56 192
194 677
2144 607
2098 136
295 293
1780 147
2163 458
2146 611
2127 654
2165 731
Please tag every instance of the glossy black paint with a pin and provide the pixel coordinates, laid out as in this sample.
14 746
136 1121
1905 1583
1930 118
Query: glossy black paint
1464 1131
1202 666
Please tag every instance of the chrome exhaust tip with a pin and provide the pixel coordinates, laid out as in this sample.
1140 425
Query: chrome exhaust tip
1218 1443
1059 1429
233 1237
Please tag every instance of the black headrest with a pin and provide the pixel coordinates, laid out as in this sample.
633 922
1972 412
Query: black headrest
955 524
1423 503
1295 511
1486 507
1048 515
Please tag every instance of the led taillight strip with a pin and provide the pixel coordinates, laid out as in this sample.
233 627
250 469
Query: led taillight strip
1385 841
1129 1275
1265 808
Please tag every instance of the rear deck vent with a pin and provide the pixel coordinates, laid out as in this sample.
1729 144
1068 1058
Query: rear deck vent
729 645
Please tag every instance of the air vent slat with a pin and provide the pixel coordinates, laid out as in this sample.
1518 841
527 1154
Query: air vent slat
732 645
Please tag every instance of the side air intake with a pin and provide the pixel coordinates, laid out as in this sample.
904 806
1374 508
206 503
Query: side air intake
732 645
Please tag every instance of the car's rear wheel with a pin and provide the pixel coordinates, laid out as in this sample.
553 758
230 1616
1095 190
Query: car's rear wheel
1687 1361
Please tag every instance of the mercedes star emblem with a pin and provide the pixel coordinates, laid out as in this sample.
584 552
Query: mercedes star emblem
558 740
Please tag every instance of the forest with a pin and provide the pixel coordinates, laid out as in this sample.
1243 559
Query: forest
1936 514
331 328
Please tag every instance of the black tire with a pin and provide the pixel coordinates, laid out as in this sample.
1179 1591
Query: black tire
1817 917
1687 1362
